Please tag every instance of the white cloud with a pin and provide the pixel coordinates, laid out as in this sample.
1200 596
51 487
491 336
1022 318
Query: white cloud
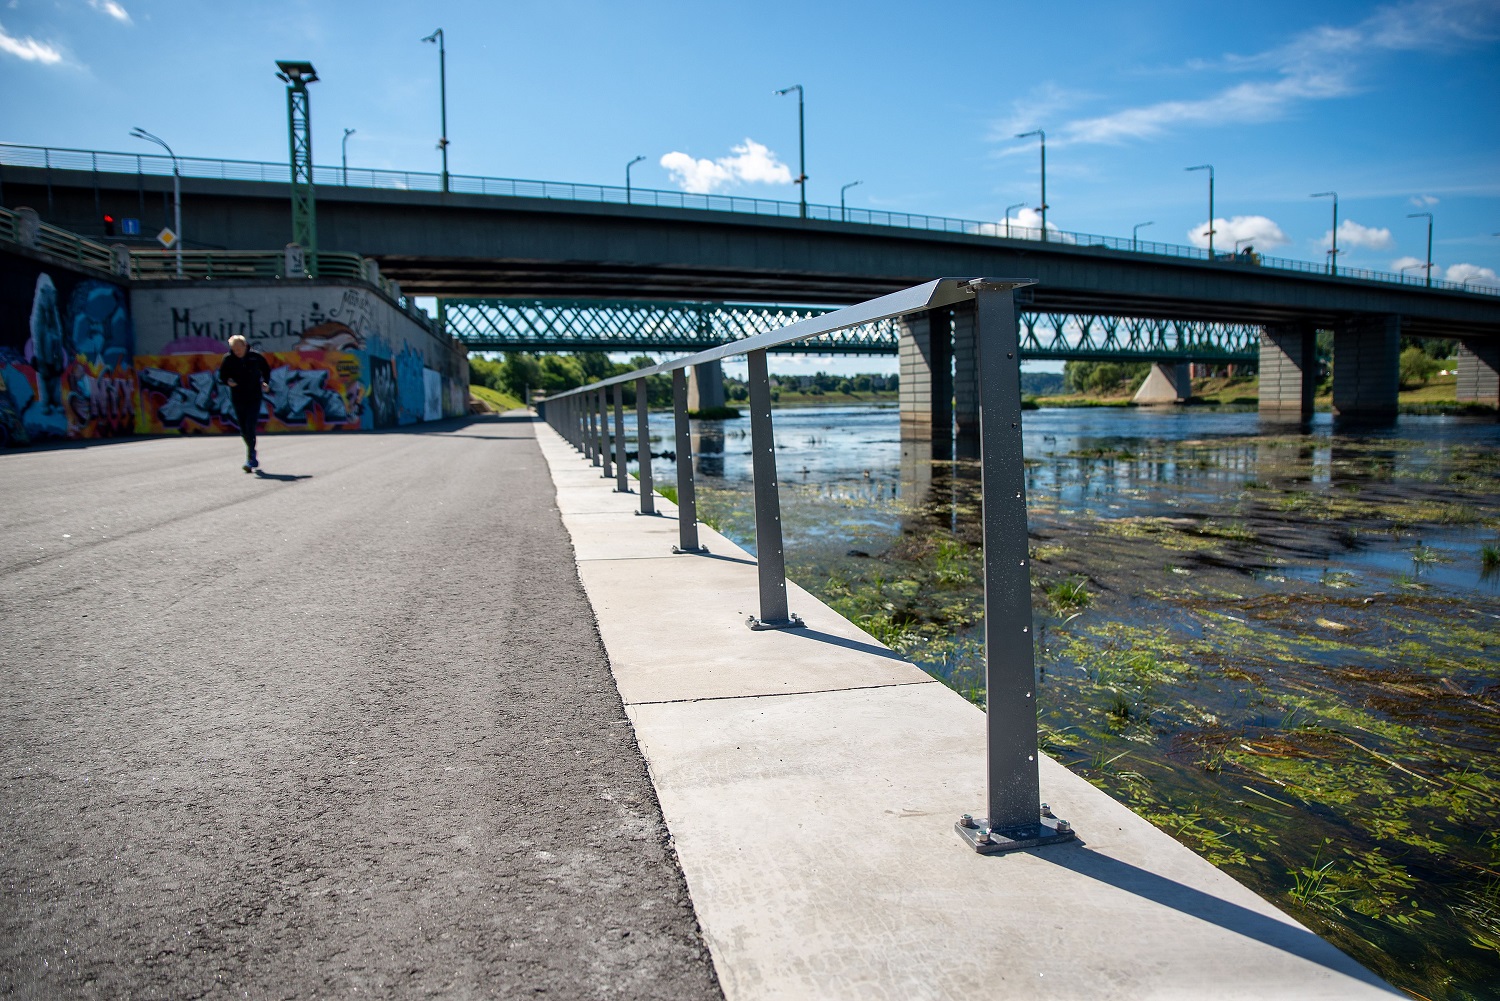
1471 273
1025 225
1257 229
1319 64
1352 234
29 49
111 8
749 162
1401 264
1424 201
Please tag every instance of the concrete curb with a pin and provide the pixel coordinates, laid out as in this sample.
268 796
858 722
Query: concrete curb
811 780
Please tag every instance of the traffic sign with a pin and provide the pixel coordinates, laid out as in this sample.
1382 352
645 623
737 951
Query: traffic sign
166 238
130 227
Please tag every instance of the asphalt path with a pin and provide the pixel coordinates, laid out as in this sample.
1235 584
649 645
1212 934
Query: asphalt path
343 729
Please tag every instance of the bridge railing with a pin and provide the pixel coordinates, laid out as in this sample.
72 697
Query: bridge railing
155 164
1013 818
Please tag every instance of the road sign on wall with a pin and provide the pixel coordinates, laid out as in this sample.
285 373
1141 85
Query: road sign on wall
130 227
167 238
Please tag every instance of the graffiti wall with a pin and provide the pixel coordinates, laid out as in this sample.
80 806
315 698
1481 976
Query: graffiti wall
310 391
66 348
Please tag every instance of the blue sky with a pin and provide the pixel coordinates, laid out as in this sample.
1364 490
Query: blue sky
1393 106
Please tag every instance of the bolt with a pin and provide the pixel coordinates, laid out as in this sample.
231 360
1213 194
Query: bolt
983 838
1063 827
966 820
1046 810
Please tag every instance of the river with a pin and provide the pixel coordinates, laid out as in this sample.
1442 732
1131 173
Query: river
1279 644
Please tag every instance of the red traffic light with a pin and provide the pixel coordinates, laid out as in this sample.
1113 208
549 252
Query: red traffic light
109 225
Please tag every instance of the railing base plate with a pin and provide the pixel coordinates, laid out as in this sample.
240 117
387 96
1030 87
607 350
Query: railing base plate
794 622
690 552
1010 839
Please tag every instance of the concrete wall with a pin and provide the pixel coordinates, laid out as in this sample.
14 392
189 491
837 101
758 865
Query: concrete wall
926 358
1288 370
343 356
1367 368
1479 372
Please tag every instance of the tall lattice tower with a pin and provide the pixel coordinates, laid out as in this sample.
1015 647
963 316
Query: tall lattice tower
297 76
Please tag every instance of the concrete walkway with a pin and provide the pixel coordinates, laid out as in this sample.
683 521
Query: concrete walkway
811 780
343 730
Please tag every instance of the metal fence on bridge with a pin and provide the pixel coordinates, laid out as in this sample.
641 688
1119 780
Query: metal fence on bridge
1015 817
155 164
598 325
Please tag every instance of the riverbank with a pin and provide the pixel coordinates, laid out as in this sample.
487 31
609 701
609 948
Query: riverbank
1280 649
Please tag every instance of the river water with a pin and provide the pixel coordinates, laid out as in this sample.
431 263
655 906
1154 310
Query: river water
1279 644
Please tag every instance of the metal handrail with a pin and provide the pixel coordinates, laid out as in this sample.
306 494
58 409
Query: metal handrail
1014 817
96 161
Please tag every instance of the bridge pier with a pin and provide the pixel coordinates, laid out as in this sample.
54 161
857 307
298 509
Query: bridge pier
1479 372
926 393
965 371
705 387
1168 382
1288 370
1367 368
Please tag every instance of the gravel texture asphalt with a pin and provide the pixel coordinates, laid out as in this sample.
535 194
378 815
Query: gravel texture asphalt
346 728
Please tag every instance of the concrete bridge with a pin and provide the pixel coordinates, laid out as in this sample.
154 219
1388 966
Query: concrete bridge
548 241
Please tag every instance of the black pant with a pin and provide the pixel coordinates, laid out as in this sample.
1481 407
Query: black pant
247 415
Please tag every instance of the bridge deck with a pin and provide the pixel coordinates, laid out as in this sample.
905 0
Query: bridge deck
346 731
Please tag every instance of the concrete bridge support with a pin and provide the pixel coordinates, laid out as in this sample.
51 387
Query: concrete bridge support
705 386
965 371
1167 382
926 393
1367 368
1479 372
1288 370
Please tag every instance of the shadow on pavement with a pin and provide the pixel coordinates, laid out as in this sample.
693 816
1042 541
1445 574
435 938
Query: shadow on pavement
282 477
845 642
1205 907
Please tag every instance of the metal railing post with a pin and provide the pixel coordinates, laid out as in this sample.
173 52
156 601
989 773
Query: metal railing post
687 503
590 432
597 402
575 421
643 446
1014 817
769 558
622 474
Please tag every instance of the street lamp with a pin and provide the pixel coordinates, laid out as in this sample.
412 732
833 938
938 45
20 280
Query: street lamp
1416 215
1333 254
843 213
347 134
1043 209
632 163
1208 167
1136 230
437 36
801 144
140 133
1017 205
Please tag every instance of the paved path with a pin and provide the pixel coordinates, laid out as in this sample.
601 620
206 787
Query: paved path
350 730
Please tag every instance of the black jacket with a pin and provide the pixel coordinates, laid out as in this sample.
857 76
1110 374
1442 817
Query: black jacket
247 372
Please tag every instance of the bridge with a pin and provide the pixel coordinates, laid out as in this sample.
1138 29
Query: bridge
504 238
630 325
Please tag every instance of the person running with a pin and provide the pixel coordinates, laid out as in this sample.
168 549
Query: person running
247 374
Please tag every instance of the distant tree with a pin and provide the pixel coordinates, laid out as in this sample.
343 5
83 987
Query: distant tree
1417 367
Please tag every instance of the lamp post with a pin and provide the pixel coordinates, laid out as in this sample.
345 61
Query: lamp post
843 213
1043 209
1208 167
801 144
437 36
1333 253
632 163
1416 215
1135 232
140 133
347 134
1017 205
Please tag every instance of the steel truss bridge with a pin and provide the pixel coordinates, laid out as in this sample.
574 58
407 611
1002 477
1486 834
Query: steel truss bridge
541 325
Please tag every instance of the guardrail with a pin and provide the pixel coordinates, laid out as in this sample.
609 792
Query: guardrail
1014 817
155 164
121 262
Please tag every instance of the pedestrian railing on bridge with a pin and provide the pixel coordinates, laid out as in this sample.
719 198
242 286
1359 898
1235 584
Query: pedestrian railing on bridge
1014 817
157 165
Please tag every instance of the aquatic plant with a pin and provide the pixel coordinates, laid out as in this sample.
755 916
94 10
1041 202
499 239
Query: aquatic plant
1069 595
1489 557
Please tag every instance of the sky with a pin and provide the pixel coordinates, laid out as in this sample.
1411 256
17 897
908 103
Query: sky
1394 106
